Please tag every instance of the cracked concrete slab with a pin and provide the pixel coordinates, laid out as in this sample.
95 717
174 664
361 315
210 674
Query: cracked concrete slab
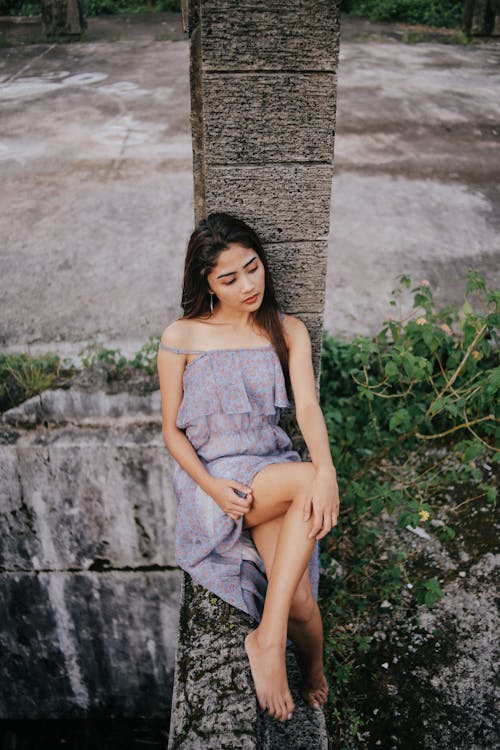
97 187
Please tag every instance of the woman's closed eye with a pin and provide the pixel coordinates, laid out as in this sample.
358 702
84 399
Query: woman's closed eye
250 270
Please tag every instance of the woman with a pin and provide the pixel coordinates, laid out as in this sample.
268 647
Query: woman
250 512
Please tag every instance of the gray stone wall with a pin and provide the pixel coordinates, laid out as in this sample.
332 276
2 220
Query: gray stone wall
263 100
89 590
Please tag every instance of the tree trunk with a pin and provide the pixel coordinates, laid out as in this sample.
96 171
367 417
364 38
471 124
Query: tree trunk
482 17
63 18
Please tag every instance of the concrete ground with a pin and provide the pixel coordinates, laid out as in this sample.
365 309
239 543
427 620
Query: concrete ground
96 203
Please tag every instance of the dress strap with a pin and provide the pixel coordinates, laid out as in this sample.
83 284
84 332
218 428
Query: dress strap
180 351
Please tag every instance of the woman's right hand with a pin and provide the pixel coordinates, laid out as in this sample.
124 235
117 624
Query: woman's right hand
222 491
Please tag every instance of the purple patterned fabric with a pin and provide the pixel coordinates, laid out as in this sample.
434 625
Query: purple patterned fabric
230 412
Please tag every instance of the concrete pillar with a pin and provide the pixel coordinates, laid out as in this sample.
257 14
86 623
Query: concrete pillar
263 97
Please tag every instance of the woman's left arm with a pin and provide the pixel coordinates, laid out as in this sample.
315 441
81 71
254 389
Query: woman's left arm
323 497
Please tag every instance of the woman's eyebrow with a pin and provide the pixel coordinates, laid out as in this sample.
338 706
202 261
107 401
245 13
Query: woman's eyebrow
230 273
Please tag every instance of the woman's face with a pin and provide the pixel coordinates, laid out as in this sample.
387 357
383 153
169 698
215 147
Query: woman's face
237 276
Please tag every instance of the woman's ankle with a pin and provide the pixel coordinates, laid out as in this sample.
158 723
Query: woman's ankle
266 640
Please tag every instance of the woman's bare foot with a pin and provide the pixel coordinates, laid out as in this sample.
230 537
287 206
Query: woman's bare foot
314 690
267 664
314 687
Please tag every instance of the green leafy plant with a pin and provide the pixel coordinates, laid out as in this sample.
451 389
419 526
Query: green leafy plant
23 376
446 13
143 359
93 7
411 413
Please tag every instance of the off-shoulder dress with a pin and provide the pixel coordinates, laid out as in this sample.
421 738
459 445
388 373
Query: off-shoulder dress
229 411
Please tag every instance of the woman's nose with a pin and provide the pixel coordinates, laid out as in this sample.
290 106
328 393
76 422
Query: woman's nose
246 284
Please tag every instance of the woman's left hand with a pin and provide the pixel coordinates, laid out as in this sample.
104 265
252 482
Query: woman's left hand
323 502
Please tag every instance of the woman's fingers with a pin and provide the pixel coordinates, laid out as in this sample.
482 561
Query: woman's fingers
323 523
327 526
241 488
307 508
317 524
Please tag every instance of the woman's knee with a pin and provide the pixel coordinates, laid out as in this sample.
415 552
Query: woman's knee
303 604
301 482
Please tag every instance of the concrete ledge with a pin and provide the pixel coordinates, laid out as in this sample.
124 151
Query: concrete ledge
214 704
88 582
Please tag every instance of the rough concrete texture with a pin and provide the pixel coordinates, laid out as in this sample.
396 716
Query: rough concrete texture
80 644
463 694
212 667
97 198
82 489
431 678
88 582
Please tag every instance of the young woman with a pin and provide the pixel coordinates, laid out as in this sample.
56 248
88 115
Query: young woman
250 512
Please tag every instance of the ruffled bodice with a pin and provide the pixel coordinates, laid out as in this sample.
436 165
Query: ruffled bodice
232 401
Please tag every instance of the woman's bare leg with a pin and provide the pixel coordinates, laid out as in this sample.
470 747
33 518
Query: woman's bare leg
276 487
305 627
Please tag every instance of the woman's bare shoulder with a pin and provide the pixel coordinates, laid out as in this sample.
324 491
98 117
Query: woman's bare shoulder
294 329
178 334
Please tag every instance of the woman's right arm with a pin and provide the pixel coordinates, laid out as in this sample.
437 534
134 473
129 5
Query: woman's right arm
170 370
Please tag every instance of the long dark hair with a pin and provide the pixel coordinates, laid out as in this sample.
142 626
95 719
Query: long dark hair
209 239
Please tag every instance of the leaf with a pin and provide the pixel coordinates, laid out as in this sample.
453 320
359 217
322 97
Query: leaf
493 320
429 599
377 505
366 393
405 280
495 377
400 418
429 338
472 451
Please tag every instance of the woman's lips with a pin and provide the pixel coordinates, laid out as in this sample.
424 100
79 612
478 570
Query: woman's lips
249 300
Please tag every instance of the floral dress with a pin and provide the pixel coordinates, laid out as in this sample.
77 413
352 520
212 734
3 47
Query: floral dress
229 411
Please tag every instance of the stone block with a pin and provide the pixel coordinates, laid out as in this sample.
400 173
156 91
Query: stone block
79 644
298 275
282 35
92 493
76 405
288 118
285 203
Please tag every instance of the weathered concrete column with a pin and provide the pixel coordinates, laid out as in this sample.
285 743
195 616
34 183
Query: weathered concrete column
263 96
263 88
